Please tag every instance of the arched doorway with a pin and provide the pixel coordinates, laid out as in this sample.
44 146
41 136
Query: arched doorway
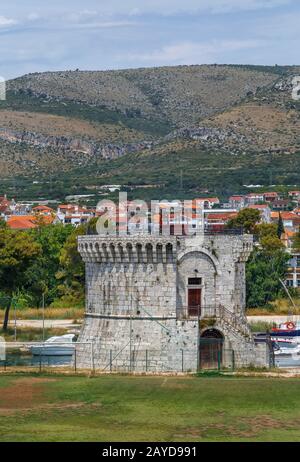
211 349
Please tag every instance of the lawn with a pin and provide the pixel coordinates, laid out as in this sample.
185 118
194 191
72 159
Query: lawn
30 334
127 408
50 313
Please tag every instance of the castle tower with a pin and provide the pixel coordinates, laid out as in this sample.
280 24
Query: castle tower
154 303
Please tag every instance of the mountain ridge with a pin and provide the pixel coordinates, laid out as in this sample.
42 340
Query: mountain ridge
113 124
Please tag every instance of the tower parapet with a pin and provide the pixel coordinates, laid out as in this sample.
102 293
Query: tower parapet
148 249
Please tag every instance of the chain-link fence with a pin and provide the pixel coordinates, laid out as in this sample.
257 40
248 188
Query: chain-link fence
91 356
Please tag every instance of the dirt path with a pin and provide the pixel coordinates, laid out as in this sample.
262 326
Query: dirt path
21 394
29 394
69 324
270 318
49 323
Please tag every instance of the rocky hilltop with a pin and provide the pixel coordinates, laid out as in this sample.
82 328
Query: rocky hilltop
150 124
182 94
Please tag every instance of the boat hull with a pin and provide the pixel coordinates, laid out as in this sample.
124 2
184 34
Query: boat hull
285 333
53 350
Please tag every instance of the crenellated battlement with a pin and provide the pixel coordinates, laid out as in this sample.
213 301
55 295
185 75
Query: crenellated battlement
146 249
159 249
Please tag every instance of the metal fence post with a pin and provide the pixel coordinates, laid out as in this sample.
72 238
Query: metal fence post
146 360
40 368
110 360
92 357
233 360
75 359
182 361
15 318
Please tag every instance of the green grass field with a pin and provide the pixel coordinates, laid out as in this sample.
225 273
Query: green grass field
123 408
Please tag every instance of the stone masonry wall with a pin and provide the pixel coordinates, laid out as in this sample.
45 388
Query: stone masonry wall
136 295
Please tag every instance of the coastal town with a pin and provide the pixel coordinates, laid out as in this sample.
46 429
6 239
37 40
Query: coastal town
272 207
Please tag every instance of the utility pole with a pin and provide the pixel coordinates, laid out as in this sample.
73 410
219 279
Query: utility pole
43 309
198 339
290 314
271 177
181 179
15 316
130 338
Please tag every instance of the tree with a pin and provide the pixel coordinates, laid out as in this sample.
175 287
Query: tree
263 271
265 230
41 276
296 241
246 219
18 251
266 266
271 244
71 274
280 227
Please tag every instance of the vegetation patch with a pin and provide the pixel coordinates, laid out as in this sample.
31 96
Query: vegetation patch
123 408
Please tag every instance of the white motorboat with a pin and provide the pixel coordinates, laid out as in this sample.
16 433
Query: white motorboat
286 348
63 345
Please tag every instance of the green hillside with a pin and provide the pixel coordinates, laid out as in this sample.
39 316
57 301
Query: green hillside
184 130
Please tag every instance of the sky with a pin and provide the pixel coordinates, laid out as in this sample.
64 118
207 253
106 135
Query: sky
118 34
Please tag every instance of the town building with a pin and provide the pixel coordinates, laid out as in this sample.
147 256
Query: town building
254 198
281 204
237 202
294 195
209 202
293 275
291 220
264 210
271 196
72 214
217 219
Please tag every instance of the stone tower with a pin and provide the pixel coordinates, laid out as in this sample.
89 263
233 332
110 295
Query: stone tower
152 302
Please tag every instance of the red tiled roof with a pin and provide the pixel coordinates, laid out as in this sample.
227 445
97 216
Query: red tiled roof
221 216
73 208
288 233
208 199
272 194
235 198
255 195
42 208
281 202
285 215
21 222
258 206
27 221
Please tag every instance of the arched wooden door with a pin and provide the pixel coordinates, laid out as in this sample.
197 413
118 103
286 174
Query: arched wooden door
211 349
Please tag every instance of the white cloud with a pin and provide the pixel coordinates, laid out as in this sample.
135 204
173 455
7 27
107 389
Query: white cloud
132 33
33 16
4 22
189 6
90 19
103 24
193 52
